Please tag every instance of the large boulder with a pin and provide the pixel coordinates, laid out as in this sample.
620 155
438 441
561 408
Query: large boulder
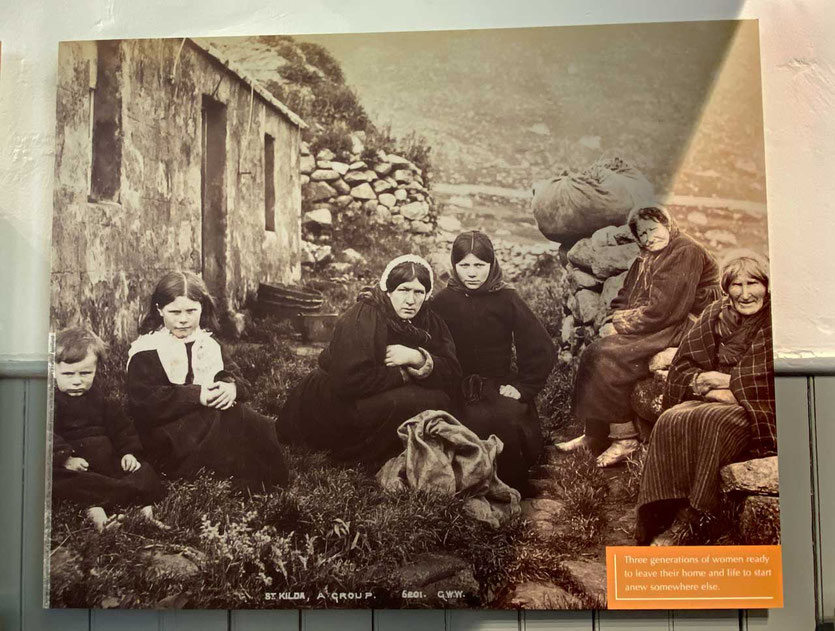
648 395
356 177
431 573
758 476
307 164
363 191
572 206
613 235
321 218
415 210
324 175
611 288
318 191
585 305
602 261
578 279
759 523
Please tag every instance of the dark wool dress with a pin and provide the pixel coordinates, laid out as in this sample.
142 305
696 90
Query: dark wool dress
352 404
486 327
182 436
662 294
694 439
97 429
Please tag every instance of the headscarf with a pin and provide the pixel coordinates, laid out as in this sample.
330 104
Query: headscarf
669 222
468 241
412 331
646 258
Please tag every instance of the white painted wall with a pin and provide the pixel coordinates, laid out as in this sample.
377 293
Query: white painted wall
798 59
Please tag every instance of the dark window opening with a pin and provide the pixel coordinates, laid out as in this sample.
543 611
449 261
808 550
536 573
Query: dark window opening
106 167
269 183
213 196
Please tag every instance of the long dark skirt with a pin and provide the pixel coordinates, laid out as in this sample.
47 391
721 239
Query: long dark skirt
363 431
238 443
608 371
688 446
516 424
104 483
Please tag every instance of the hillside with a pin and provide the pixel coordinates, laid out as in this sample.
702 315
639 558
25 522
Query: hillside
508 107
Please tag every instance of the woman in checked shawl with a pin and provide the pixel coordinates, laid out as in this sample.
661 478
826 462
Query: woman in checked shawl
721 389
667 287
390 358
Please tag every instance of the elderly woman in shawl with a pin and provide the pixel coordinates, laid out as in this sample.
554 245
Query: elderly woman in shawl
666 288
721 389
390 358
488 319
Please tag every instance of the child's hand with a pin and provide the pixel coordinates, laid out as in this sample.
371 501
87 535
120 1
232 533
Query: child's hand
130 463
222 395
510 391
76 464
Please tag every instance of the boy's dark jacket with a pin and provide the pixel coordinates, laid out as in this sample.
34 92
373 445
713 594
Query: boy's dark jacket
92 415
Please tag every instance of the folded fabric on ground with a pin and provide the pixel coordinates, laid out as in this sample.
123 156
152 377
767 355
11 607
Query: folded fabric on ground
442 455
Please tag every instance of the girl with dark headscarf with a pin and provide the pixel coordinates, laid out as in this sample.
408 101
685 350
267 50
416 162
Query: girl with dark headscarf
488 319
390 358
720 395
666 288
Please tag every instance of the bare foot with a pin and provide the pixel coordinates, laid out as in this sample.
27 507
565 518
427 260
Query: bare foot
97 515
617 452
581 442
147 513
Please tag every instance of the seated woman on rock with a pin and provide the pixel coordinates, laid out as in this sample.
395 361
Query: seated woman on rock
666 288
487 320
721 387
390 358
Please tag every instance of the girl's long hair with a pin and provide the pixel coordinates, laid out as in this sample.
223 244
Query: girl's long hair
168 289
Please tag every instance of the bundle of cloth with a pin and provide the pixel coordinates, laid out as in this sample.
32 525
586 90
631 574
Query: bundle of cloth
442 456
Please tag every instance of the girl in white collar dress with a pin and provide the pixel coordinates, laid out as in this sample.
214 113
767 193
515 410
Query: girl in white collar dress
187 397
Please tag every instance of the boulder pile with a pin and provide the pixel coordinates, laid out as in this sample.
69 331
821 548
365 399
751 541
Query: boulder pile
595 269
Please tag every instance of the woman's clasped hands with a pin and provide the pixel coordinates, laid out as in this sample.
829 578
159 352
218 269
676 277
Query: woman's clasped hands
399 355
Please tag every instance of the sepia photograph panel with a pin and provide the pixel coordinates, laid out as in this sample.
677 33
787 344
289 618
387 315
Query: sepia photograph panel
409 320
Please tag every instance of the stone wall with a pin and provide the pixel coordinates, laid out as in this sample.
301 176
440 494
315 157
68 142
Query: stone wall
388 188
108 254
595 271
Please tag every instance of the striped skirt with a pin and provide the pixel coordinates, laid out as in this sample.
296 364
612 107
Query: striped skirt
689 444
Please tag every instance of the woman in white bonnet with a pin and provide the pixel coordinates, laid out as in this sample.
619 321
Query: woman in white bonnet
390 358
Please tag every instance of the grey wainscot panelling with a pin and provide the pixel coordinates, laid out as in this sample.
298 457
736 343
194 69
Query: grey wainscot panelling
23 398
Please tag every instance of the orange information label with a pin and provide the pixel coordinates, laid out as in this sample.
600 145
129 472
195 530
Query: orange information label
694 577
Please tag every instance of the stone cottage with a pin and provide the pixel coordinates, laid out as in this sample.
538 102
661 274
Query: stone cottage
167 157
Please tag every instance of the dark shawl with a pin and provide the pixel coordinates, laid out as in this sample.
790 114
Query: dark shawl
662 288
752 377
493 282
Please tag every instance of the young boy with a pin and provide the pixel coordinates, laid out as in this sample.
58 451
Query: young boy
95 445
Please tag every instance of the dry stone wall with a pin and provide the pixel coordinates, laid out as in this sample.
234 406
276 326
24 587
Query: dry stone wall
595 270
389 189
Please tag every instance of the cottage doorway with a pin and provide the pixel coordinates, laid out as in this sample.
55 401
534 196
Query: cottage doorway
213 197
